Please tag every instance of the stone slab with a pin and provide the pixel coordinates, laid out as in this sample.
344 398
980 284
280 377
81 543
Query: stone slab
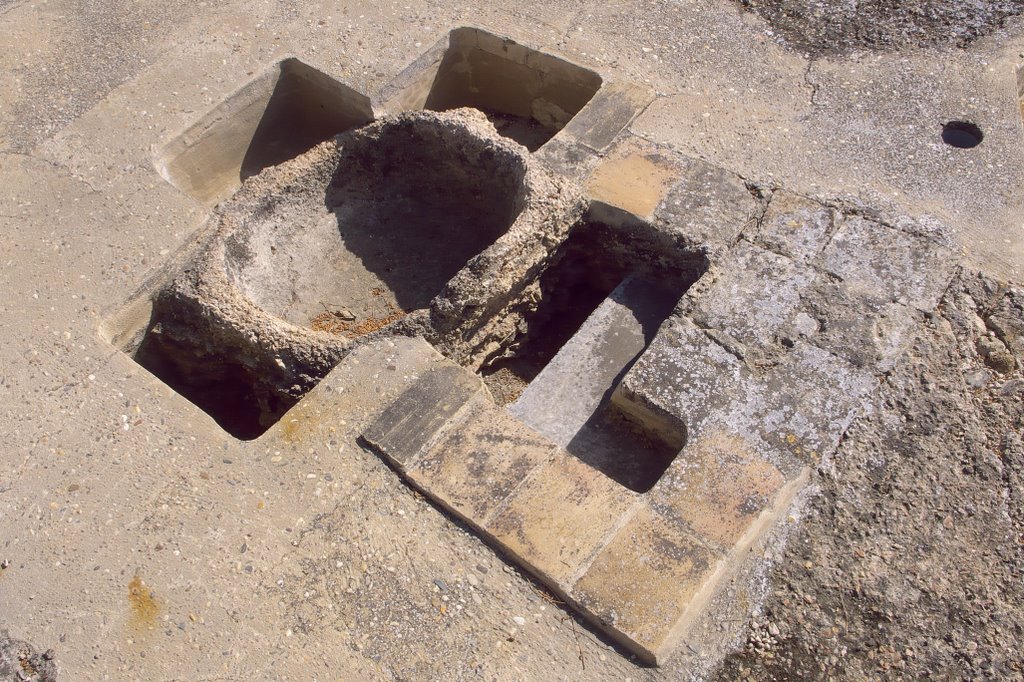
707 205
754 293
569 390
599 123
560 517
809 400
796 226
648 582
866 331
476 464
635 177
889 263
718 486
411 423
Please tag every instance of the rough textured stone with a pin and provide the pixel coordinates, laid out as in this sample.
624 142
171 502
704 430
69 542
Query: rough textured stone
681 380
707 205
754 293
867 331
889 263
795 226
808 401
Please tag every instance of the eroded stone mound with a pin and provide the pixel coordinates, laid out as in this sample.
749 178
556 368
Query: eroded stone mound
422 221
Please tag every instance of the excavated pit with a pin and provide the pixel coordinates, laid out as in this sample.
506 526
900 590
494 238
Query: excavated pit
403 212
528 95
280 114
357 236
592 311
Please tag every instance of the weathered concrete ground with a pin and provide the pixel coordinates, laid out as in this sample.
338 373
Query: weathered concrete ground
143 543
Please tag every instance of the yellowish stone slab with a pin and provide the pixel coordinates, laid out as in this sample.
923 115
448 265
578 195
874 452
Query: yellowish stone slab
646 585
559 517
718 486
475 466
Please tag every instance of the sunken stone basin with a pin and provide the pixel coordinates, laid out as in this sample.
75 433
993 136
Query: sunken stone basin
421 223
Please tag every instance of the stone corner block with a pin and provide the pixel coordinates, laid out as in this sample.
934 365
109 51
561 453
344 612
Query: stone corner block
681 380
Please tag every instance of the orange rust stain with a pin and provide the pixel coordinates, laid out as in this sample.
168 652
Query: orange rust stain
143 603
290 430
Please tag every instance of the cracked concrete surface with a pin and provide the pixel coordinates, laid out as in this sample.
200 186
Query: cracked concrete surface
302 561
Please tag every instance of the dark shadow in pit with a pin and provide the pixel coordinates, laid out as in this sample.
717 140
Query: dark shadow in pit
416 204
615 443
305 108
528 95
230 392
522 129
595 259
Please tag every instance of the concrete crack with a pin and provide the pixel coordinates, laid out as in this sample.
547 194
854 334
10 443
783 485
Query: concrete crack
53 164
810 83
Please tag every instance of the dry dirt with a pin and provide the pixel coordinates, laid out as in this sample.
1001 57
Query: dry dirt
909 563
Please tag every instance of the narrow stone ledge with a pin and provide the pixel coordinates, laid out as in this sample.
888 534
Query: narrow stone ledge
601 121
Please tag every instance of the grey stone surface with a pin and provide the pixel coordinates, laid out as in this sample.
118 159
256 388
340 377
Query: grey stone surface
754 293
888 262
809 400
684 378
565 395
796 226
708 205
866 331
